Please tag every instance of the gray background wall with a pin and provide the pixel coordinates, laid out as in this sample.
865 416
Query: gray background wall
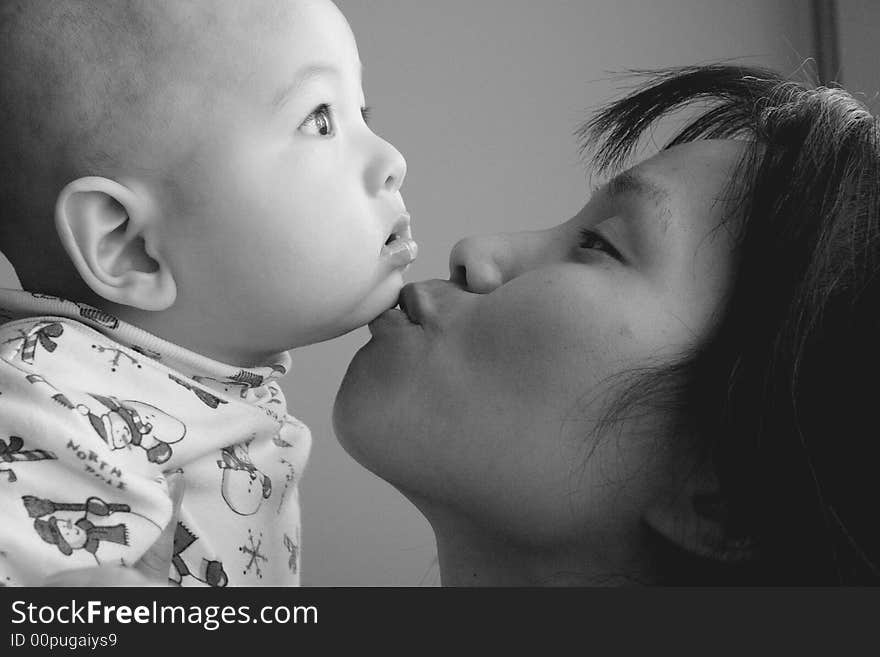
858 26
482 96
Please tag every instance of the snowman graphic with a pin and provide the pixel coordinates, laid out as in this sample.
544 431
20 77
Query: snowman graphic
68 526
194 564
129 422
243 486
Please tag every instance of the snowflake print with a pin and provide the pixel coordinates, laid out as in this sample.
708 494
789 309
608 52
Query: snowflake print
114 362
252 550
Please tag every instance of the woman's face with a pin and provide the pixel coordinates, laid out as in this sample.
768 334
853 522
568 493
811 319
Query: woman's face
486 403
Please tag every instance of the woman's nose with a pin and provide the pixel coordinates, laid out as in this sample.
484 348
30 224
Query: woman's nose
387 170
476 264
480 264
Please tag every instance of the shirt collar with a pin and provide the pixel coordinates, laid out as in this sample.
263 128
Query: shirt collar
21 304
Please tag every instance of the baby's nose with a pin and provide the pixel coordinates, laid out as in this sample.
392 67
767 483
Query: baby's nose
474 266
387 170
396 171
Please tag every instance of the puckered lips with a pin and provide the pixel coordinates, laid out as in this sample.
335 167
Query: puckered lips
408 302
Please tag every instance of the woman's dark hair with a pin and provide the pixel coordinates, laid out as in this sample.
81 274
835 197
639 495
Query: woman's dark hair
785 394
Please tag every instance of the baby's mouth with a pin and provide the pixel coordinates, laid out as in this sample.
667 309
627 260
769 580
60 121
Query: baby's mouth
400 248
400 251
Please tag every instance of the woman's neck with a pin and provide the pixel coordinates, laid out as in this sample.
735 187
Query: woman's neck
467 559
469 555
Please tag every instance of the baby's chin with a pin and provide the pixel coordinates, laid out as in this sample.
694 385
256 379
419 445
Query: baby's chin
365 310
381 298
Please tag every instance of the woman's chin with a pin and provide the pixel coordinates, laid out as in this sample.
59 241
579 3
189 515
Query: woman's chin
355 410
372 411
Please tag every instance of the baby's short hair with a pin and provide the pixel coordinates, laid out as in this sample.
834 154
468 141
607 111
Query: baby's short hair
72 69
83 87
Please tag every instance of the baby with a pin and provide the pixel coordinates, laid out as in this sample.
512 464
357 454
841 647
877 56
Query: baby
189 190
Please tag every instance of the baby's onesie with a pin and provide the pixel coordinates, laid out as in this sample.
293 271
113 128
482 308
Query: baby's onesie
94 413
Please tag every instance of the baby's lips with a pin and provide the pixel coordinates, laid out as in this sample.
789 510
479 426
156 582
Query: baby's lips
401 252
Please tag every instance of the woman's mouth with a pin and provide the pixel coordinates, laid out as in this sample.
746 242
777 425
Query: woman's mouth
431 303
392 319
426 304
402 315
408 304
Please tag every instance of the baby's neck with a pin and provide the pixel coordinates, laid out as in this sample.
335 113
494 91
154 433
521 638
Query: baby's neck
175 328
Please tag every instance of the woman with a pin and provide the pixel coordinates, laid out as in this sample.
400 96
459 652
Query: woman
674 386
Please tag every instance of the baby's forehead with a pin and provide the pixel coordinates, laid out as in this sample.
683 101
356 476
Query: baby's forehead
95 79
147 31
93 55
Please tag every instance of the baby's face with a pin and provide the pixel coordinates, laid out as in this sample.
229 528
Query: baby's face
277 233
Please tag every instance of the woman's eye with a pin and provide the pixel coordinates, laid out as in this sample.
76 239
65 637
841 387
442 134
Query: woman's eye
319 122
365 114
593 241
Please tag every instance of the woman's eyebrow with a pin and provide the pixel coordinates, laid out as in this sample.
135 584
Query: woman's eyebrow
633 183
646 229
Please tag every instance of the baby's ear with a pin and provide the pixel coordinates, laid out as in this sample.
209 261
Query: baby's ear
110 233
695 517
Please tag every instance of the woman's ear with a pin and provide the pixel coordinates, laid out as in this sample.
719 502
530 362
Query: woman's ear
695 517
110 234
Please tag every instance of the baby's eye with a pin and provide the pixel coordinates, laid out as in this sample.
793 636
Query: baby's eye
319 122
593 241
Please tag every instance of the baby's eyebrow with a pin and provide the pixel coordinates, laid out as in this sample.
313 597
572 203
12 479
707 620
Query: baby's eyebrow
304 76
